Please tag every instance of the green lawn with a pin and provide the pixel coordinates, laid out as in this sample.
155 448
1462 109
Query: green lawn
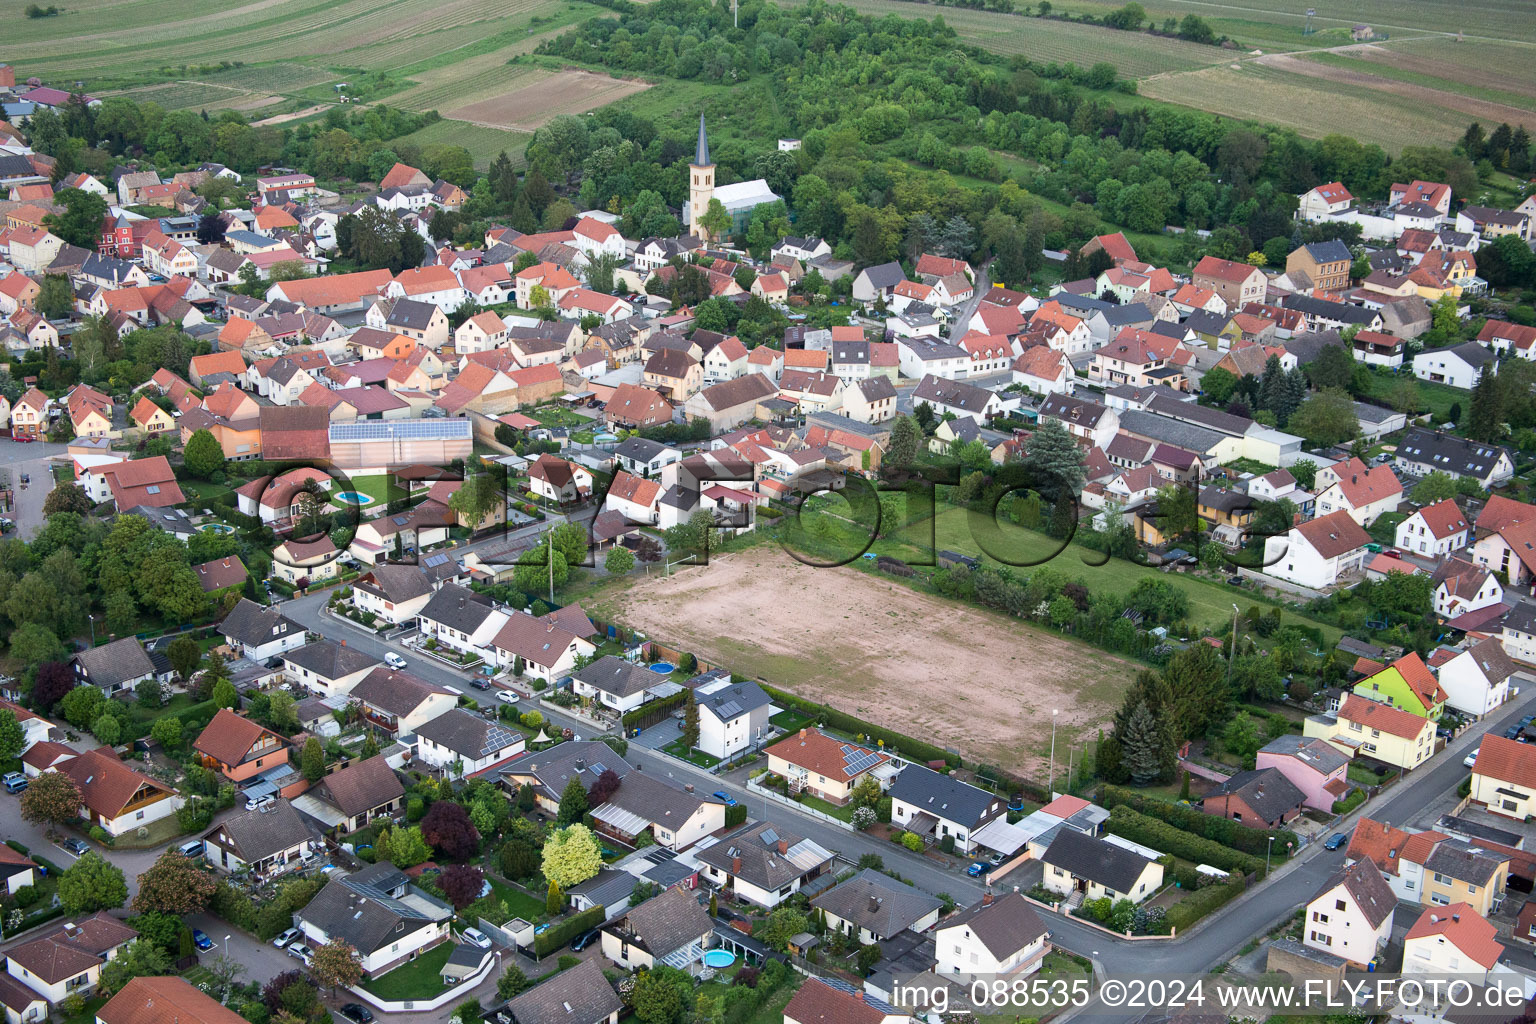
1058 966
841 812
418 979
791 721
1435 399
555 416
698 757
518 902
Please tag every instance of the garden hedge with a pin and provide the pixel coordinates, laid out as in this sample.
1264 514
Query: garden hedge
1355 799
559 934
656 710
1196 905
1192 819
1160 835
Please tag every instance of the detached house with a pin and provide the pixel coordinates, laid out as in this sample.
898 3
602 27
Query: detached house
465 744
1462 588
1476 680
933 806
1407 683
397 703
997 936
1377 730
1078 862
260 633
114 667
379 913
65 961
1311 765
1236 283
239 748
1262 798
822 765
115 796
668 924
1435 530
763 863
349 799
266 841
874 907
1504 777
559 481
1460 366
1316 553
614 683
1364 492
548 651
581 995
328 667
1351 915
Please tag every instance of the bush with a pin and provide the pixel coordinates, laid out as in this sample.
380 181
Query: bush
1189 819
947 844
100 835
564 931
566 962
27 895
912 841
1160 835
863 818
736 815
1357 797
1197 904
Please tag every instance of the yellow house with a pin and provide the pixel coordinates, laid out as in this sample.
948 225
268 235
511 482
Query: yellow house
150 418
91 422
1440 871
816 763
1390 735
1455 939
1076 862
1504 777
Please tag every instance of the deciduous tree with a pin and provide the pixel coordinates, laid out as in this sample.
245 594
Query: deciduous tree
90 884
52 799
448 830
336 964
571 856
174 885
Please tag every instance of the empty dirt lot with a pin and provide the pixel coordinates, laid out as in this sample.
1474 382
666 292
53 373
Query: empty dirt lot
533 104
957 676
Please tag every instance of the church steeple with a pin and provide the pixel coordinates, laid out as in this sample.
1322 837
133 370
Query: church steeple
701 155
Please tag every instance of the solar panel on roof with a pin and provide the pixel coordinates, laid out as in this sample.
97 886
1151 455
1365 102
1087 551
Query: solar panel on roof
383 430
598 767
769 837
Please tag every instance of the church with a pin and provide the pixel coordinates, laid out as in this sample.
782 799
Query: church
739 199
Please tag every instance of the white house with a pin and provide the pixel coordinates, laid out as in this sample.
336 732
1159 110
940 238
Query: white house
930 357
1315 553
1435 530
1351 915
594 238
68 959
463 620
1045 371
1453 939
726 361
933 805
633 498
1476 681
386 918
1365 492
998 936
763 862
732 716
1460 366
961 399
614 683
548 650
466 743
1462 587
1324 201
260 633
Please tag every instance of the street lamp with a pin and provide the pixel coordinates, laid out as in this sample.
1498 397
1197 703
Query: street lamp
1268 847
1051 786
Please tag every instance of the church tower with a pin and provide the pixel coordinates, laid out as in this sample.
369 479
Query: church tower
701 185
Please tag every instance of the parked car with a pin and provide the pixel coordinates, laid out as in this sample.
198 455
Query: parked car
15 782
301 952
477 937
977 869
1512 733
480 683
1336 840
724 798
281 942
585 939
260 803
1471 758
394 660
506 696
78 847
357 1012
201 940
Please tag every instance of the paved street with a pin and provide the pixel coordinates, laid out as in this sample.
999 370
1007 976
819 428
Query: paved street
36 461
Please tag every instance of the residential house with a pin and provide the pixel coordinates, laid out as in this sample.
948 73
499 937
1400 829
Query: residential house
1261 798
1236 283
398 703
1423 451
379 913
876 283
731 403
763 863
673 374
1454 940
1460 366
548 772
1044 370
557 480
871 400
463 744
67 960
1376 349
259 633
1438 870
672 814
934 805
1363 491
1311 765
874 907
145 1000
615 683
634 498
1078 862
300 563
462 620
581 995
1316 553
265 841
350 798
113 667
732 717
643 457
1435 530
633 407
115 796
1477 680
1377 730
1319 266
395 593
1351 915
1462 588
239 748
957 397
1504 777
1407 683
671 923
818 1001
330 668
998 936
811 391
822 765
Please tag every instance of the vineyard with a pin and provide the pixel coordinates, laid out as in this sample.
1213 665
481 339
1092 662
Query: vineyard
537 100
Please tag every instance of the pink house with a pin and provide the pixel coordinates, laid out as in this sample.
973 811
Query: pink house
1313 766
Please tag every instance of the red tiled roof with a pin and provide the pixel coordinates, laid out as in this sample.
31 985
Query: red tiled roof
1506 760
1463 927
820 754
1394 721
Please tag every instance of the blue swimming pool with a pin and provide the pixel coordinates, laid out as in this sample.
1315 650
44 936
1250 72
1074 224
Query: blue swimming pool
354 498
217 528
719 959
662 668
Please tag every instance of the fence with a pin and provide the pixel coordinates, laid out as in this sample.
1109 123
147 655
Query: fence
443 998
764 791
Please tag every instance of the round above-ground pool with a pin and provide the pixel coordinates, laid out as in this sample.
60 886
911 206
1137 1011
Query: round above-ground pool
217 528
719 959
662 668
354 498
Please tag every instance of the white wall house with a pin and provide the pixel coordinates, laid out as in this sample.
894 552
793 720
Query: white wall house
1316 553
996 936
732 716
466 742
1476 681
1351 916
1435 530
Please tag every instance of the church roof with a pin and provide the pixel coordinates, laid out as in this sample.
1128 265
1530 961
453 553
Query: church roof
701 156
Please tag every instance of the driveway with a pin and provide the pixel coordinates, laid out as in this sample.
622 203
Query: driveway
35 461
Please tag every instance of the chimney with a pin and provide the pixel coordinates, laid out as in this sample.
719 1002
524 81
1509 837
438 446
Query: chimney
802 733
343 642
735 865
783 847
874 904
986 898
1456 918
860 994
688 787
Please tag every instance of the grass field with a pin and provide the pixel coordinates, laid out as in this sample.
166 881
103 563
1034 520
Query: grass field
483 143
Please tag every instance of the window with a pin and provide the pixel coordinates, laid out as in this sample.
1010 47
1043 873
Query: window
1445 879
1339 905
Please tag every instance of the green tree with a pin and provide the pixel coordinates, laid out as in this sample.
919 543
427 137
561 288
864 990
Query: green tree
12 736
407 848
336 964
224 695
1486 421
1219 384
782 925
185 655
174 885
571 856
906 441
715 221
659 998
620 561
107 730
1437 486
477 500
80 223
512 980
312 760
167 731
554 900
1144 747
203 455
1056 460
138 959
90 884
1326 418
690 730
55 298
573 802
52 799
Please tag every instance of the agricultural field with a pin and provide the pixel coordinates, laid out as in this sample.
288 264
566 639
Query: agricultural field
483 143
1477 102
1507 67
534 101
878 648
1312 106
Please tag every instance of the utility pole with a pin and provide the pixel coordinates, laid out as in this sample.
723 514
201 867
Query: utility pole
1231 653
551 536
1051 786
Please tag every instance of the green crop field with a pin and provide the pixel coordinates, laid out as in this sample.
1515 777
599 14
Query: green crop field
483 143
1509 66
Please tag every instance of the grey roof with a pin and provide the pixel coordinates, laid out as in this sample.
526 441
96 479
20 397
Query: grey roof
410 313
1132 313
1312 752
360 909
1521 618
581 995
1318 956
1449 453
329 659
1202 415
606 887
701 151
468 734
875 389
1085 856
659 801
667 922
732 702
877 902
1463 862
617 676
360 786
443 429
1330 251
250 623
953 393
1339 311
115 663
1469 352
1083 306
640 449
942 796
254 835
396 582
1205 322
1365 885
398 693
885 275
554 768
458 607
1072 409
1492 659
762 864
1266 791
1307 347
853 352
1004 926
1175 432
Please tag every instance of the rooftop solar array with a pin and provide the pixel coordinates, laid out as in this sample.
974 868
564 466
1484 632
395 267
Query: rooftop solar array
405 430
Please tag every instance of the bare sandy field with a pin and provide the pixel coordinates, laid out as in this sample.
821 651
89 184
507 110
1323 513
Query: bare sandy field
528 106
960 677
1483 109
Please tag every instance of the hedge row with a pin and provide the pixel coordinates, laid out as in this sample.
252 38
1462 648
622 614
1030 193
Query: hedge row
909 748
1210 826
1196 905
1355 799
558 935
656 710
1160 835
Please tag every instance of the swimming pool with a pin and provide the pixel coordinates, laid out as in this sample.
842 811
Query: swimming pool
217 528
662 668
354 498
719 959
